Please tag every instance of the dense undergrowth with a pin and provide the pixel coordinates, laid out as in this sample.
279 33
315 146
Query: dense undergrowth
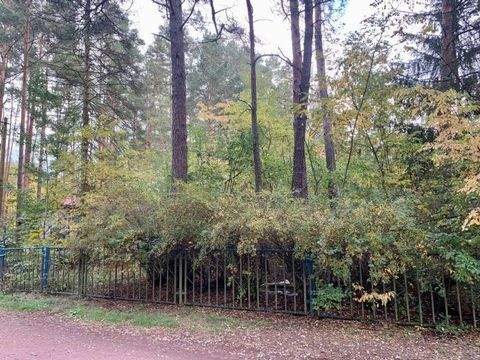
387 234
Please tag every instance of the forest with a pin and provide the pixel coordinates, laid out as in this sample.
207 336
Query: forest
366 147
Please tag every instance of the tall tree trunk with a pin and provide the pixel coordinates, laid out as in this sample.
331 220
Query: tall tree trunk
449 63
42 156
323 95
257 161
85 143
23 115
301 88
3 73
3 155
28 149
179 92
11 135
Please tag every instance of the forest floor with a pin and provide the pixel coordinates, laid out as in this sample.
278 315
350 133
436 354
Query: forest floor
39 327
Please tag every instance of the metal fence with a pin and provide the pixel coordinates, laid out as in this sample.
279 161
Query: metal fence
271 280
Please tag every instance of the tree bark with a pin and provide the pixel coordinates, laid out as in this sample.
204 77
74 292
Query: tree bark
449 64
301 88
23 115
257 161
323 95
85 143
179 91
3 72
28 150
42 156
11 135
3 155
41 161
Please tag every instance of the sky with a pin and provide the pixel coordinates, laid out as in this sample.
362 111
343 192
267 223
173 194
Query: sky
272 31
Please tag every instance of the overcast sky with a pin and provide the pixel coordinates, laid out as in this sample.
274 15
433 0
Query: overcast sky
271 29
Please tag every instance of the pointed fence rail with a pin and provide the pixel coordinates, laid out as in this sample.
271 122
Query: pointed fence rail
272 280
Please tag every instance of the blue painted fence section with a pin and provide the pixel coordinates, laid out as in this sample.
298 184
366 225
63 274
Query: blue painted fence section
2 262
45 267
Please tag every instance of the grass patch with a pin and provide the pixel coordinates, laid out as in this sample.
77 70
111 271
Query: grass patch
136 315
25 303
139 318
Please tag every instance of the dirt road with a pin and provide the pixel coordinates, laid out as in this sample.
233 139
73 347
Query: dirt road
49 337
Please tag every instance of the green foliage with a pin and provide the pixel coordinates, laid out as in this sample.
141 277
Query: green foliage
407 158
116 317
22 303
328 297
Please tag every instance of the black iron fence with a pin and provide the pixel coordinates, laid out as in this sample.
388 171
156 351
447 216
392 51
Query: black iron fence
270 280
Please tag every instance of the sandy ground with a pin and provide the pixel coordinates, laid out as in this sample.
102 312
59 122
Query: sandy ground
43 335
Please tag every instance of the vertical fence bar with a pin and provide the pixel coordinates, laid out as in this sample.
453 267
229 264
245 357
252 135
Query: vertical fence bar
385 304
284 282
128 280
248 281
233 279
395 303
407 301
432 301
257 261
180 278
445 299
240 285
160 276
122 278
139 280
293 284
225 278
360 270
185 281
350 292
194 268
175 279
208 282
53 274
201 283
459 303
266 282
167 275
3 255
304 281
420 310
153 269
45 267
216 280
275 286
472 294
147 282
110 292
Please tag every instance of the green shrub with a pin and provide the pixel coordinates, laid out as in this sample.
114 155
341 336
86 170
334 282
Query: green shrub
328 297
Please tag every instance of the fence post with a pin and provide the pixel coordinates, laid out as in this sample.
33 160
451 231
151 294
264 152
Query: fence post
3 254
311 283
82 268
45 268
